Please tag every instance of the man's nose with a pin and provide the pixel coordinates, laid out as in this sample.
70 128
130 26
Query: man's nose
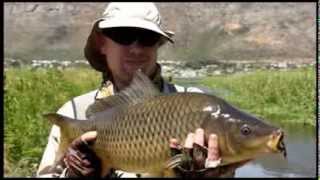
136 47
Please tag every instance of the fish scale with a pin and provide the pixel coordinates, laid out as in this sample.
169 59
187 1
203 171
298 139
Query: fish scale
160 138
134 127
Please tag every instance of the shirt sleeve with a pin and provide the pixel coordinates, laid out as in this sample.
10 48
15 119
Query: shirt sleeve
51 152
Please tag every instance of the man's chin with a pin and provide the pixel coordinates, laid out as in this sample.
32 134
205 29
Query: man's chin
131 72
130 69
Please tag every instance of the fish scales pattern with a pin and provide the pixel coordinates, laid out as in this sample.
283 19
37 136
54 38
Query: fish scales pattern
134 131
140 134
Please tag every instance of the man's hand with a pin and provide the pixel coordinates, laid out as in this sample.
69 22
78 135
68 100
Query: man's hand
80 160
208 164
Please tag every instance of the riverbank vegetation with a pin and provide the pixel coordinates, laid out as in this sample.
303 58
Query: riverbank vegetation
287 96
278 96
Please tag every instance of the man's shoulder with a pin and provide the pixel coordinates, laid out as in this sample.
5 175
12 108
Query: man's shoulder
85 96
76 107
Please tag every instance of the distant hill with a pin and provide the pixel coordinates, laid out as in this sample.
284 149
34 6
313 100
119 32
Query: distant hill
204 31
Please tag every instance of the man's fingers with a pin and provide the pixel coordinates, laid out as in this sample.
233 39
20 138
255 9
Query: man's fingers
74 154
86 163
84 140
175 147
83 167
213 150
80 159
73 162
77 157
199 137
89 137
189 141
174 143
78 168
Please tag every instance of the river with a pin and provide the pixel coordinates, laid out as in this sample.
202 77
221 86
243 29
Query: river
301 156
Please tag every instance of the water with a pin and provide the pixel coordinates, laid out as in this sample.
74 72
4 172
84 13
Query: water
301 157
301 151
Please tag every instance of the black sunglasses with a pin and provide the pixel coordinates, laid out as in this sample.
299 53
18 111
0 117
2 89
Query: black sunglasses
126 36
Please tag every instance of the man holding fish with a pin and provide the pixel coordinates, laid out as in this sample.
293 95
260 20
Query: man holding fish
123 45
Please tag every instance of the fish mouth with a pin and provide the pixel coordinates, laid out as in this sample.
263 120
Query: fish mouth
276 142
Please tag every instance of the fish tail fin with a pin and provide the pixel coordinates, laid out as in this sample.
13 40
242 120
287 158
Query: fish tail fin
57 119
69 128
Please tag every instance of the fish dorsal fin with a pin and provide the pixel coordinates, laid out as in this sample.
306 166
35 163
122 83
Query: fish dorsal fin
139 89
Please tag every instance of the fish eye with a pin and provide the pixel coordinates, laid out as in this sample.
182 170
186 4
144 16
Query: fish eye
245 130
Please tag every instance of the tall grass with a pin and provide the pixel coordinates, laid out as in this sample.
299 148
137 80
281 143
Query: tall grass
279 96
285 96
29 94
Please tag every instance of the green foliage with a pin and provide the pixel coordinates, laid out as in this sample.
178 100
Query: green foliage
281 96
28 95
278 96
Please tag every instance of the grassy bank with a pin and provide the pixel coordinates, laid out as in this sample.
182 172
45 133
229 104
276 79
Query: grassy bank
29 94
278 96
286 96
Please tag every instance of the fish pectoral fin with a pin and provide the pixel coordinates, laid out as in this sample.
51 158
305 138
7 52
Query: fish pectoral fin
185 158
199 152
179 160
175 161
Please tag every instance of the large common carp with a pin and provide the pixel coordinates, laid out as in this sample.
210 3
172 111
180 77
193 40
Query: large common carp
135 125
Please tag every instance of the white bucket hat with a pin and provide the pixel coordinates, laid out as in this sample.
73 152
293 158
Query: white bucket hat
122 14
134 14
